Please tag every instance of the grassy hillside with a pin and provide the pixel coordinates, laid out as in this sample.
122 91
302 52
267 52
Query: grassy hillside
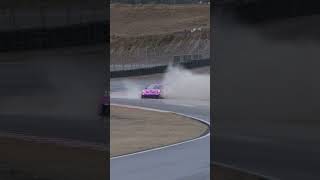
155 33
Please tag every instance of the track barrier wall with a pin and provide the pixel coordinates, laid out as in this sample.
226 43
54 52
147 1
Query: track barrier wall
158 69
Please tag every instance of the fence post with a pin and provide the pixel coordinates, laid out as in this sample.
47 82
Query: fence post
146 51
80 15
90 29
68 15
42 16
122 68
198 49
13 18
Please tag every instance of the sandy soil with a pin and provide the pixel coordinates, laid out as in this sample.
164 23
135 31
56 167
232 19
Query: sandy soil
224 173
130 20
50 161
156 33
131 130
135 129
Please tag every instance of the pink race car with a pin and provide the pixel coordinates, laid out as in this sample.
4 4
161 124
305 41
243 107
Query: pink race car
152 91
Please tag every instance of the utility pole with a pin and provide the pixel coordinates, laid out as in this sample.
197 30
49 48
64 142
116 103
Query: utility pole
68 15
42 16
13 17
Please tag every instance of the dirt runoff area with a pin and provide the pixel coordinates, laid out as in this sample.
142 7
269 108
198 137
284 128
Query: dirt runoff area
137 20
22 159
134 130
155 33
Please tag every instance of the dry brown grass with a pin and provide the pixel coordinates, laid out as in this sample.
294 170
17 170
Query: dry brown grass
135 129
133 20
131 130
163 29
53 161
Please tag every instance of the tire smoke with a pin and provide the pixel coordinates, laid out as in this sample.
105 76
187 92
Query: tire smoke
180 83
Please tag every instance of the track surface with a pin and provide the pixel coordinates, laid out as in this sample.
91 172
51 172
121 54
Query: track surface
45 93
266 82
187 161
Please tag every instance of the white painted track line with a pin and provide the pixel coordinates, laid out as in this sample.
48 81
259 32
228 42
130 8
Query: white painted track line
167 146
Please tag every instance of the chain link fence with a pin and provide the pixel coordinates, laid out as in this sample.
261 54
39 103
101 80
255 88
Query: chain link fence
153 57
146 57
158 68
177 59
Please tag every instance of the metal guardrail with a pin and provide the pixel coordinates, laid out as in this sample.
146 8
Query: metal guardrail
125 67
158 69
175 60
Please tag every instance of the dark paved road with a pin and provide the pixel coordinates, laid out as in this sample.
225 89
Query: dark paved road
266 87
53 93
187 161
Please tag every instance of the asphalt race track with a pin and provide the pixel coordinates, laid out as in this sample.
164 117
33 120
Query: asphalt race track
45 93
275 148
186 161
267 100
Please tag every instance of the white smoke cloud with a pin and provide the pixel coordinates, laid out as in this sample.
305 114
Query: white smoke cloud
178 83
